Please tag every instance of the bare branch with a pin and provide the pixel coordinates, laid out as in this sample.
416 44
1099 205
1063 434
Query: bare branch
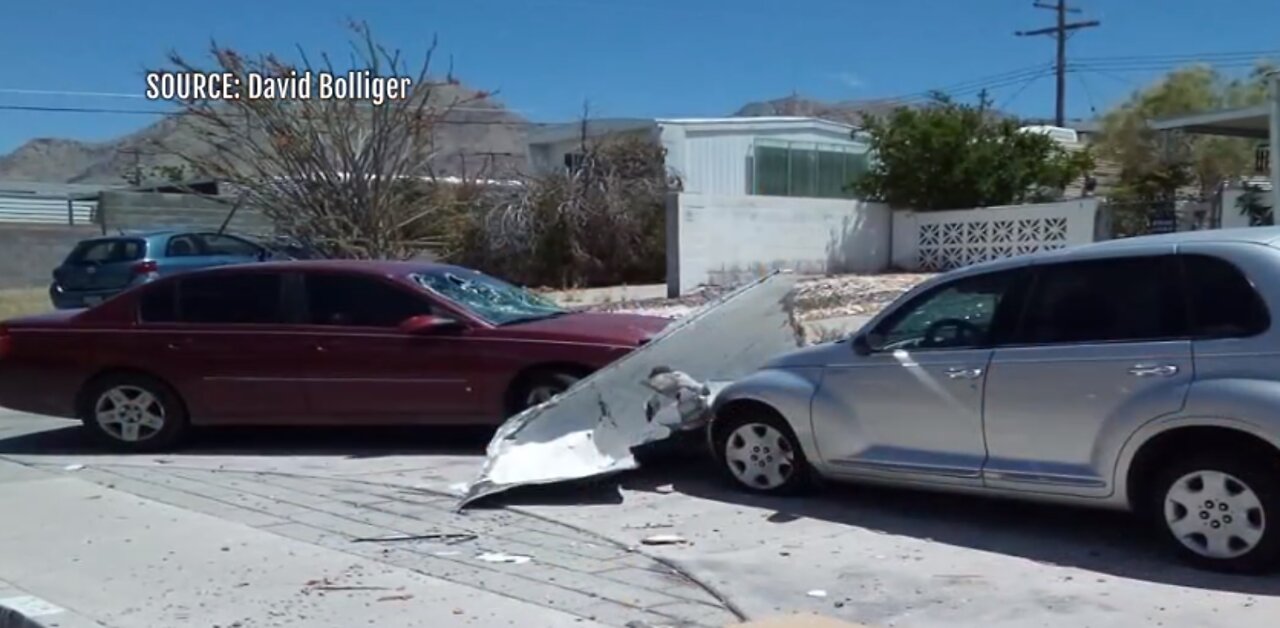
349 177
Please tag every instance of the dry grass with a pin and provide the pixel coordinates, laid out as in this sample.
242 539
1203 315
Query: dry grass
23 301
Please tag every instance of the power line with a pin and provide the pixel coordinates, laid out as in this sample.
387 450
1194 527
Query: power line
84 94
1060 31
971 84
1110 75
172 114
1012 97
57 92
1161 67
1182 56
1088 93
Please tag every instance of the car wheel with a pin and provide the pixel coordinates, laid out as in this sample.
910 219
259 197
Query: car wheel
541 387
134 413
761 453
1221 512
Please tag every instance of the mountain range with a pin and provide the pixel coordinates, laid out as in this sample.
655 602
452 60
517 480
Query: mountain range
483 135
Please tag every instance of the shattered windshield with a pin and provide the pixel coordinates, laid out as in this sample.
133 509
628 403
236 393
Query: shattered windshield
493 300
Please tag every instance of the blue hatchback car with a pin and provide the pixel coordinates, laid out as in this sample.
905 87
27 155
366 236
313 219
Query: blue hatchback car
99 268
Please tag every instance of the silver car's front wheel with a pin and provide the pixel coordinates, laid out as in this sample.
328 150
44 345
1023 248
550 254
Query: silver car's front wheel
760 456
759 451
1220 510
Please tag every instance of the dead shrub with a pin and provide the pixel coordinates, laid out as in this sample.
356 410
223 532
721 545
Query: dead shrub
599 223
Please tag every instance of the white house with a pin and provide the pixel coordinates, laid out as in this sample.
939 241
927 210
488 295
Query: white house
764 156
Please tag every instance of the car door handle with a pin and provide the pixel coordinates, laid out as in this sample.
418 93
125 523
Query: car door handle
963 373
1153 370
175 345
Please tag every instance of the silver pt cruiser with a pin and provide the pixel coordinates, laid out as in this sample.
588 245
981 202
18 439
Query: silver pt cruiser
1139 374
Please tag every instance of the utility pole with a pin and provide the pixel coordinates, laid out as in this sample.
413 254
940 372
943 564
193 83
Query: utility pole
135 177
1060 31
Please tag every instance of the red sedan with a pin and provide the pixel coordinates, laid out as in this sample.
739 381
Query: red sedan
310 343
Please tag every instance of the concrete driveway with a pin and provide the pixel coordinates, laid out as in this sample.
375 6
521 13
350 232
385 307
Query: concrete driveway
881 557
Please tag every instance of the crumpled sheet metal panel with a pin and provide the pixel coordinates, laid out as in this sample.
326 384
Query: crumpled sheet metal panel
591 428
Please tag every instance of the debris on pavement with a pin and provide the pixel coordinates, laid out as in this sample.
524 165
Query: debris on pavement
816 298
678 400
396 598
665 489
447 538
73 467
647 395
510 559
817 593
648 526
664 539
797 621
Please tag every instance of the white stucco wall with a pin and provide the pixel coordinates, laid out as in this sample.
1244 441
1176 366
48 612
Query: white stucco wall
949 239
725 240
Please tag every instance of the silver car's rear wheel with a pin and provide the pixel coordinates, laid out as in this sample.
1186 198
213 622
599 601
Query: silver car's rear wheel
1214 514
759 456
1219 509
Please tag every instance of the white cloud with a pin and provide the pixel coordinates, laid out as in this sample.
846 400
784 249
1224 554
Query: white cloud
849 79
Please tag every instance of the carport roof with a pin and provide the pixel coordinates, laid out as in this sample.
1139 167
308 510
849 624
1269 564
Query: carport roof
1251 122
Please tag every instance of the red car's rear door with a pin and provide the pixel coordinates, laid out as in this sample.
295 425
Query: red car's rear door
223 340
362 368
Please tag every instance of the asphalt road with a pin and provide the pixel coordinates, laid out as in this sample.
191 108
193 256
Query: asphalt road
881 557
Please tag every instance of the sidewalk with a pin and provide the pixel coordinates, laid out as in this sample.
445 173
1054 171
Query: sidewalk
145 547
127 561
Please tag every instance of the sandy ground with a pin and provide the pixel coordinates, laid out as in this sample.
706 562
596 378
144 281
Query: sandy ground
816 298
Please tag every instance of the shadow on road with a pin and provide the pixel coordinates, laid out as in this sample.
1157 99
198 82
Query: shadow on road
1107 542
365 442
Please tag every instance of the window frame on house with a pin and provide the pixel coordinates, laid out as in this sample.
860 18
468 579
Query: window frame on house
803 177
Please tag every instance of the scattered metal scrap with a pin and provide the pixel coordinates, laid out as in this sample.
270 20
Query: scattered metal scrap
592 428
447 538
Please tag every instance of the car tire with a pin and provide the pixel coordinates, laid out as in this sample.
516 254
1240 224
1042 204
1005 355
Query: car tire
539 387
1220 511
134 413
758 451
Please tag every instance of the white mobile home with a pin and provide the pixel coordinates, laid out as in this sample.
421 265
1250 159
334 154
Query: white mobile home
765 156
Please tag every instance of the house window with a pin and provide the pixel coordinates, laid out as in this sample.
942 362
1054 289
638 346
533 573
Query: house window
805 169
573 161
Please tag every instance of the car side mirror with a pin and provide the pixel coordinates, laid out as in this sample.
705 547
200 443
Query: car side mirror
865 344
428 324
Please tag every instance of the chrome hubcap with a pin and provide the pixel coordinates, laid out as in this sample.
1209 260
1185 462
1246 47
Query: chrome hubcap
129 413
759 456
1214 514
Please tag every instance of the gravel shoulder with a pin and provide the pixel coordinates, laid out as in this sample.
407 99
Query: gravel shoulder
817 298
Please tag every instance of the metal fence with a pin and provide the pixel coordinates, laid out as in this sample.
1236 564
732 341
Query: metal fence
29 209
1124 220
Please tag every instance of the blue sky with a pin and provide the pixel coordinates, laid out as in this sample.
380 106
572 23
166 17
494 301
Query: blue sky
627 57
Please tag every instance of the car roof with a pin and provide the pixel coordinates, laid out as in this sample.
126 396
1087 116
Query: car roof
369 267
152 233
1256 236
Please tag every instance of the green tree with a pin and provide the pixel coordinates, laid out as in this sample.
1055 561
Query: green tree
1144 155
949 155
